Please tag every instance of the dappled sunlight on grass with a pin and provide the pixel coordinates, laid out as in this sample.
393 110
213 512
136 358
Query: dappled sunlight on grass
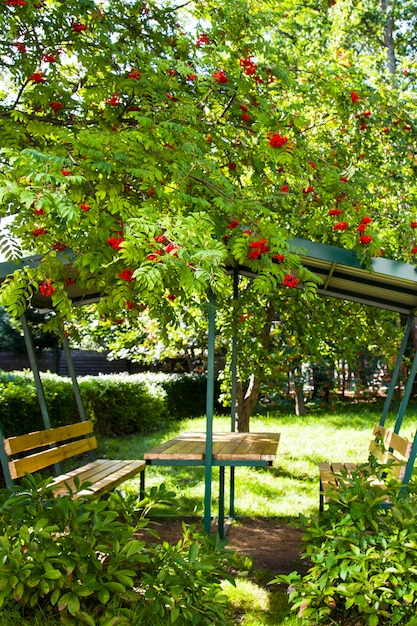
258 606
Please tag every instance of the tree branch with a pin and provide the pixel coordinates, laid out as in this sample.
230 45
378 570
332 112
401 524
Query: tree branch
206 183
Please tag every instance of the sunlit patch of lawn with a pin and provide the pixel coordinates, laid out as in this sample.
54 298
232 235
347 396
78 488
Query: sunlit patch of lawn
256 605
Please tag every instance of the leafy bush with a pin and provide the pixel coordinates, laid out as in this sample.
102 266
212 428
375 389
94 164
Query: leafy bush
362 553
186 394
183 581
122 404
20 409
77 559
117 404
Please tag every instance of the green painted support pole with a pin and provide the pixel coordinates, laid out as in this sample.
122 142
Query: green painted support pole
37 378
5 461
410 464
35 370
221 501
209 412
76 388
396 371
407 392
234 385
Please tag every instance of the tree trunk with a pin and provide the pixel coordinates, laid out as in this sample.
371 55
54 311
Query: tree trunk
246 397
300 407
389 40
247 393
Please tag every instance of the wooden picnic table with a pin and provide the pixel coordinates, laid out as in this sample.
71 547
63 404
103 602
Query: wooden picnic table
229 449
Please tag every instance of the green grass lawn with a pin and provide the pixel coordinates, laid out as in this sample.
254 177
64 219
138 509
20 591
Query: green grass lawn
288 488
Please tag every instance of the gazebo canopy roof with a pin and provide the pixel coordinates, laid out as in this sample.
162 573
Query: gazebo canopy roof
387 284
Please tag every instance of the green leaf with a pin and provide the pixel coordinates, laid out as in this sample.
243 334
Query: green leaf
194 551
373 620
103 595
73 604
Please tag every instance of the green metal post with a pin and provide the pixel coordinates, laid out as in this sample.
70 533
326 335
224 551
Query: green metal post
74 380
410 464
396 371
234 349
38 382
407 392
234 385
76 388
209 412
5 461
35 370
221 501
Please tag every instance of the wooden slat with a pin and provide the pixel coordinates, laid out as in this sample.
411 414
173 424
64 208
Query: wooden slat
394 441
386 447
327 477
350 467
176 449
226 447
36 462
104 475
250 448
397 467
90 471
40 438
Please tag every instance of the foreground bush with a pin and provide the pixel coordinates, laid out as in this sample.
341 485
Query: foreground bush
78 560
362 555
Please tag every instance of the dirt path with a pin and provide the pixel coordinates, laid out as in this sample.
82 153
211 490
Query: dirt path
271 545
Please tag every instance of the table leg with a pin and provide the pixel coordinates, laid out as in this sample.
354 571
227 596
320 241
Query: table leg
221 502
232 493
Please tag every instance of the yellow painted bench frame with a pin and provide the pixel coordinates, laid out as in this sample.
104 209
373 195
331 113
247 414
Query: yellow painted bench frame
387 446
41 449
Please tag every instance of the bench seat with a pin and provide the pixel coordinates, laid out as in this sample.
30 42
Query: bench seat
103 474
38 450
386 447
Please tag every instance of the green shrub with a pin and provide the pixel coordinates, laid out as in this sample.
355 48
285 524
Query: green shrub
122 405
362 553
79 560
186 394
118 404
183 581
20 409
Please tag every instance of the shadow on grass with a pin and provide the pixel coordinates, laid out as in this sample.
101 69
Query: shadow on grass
281 472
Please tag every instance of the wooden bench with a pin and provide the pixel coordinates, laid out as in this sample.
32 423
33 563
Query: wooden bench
386 447
41 449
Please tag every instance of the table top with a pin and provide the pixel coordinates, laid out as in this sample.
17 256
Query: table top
230 446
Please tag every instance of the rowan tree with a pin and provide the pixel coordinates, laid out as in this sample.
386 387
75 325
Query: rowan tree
153 143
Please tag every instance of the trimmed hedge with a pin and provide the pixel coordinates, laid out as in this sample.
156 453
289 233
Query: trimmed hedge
118 404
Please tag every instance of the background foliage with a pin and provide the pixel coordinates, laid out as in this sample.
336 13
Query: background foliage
118 405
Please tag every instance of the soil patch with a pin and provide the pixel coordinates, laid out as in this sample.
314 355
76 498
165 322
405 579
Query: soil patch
270 544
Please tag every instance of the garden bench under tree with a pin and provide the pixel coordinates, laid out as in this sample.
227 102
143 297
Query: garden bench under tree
388 448
42 449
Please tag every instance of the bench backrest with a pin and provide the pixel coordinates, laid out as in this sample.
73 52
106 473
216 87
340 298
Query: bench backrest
37 450
389 446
